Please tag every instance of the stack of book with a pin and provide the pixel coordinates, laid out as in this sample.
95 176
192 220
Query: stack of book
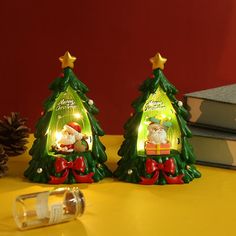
213 124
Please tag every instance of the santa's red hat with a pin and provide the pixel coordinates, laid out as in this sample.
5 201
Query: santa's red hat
73 127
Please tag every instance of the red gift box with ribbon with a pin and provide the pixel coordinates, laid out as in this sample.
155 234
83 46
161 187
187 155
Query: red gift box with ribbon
157 149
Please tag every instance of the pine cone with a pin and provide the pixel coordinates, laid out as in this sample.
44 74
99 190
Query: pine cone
3 162
13 134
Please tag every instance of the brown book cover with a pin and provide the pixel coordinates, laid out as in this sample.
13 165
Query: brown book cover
215 108
213 147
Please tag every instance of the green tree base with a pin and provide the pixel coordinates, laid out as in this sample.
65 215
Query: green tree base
40 172
137 165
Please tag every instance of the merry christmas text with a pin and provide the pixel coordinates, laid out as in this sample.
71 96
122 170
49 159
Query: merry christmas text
154 105
65 104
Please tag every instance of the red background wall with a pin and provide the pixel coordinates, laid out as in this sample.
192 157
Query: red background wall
113 41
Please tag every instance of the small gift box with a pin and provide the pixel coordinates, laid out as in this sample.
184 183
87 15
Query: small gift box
157 149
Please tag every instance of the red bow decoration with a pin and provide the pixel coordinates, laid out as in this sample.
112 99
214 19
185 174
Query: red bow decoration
167 167
77 165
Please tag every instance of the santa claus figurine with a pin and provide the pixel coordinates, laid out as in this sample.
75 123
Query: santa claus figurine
157 134
71 139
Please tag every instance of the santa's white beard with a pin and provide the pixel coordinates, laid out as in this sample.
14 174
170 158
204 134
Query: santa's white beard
157 137
67 139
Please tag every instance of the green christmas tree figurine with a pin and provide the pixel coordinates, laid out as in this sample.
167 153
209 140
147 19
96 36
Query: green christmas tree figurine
156 148
67 148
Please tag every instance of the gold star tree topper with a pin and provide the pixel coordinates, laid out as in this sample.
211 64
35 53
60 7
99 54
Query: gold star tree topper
158 61
67 60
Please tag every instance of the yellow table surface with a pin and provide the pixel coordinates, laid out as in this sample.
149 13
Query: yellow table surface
206 206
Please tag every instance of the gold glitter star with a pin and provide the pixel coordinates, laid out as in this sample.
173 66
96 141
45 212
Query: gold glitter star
67 60
158 61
